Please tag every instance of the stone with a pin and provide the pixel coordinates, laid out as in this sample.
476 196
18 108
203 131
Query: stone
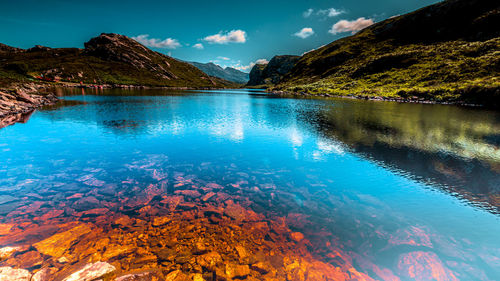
5 252
207 196
177 275
29 259
297 236
5 228
91 272
420 265
236 270
188 193
198 277
43 275
262 267
143 276
158 221
209 260
59 243
11 274
242 252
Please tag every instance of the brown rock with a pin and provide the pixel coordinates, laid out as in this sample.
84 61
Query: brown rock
143 276
161 221
198 277
43 275
209 260
58 243
297 236
177 275
237 271
5 228
242 252
262 267
29 259
189 193
207 196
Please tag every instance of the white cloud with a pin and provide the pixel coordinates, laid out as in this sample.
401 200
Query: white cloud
332 12
307 13
350 26
198 46
249 67
304 32
168 43
223 58
234 36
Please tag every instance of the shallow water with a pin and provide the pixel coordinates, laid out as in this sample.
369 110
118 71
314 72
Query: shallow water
232 185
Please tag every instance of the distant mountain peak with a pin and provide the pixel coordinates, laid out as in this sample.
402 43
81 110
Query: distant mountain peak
228 73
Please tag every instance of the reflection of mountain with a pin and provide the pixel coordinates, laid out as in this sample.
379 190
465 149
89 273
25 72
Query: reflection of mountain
453 146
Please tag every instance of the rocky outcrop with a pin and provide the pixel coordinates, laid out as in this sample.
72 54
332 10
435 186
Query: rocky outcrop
256 75
227 73
8 49
108 59
120 48
17 104
273 72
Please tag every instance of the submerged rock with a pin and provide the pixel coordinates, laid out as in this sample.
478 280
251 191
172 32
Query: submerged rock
177 275
91 271
57 244
237 271
11 274
7 251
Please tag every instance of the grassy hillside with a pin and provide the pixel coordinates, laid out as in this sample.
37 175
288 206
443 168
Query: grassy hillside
107 59
449 51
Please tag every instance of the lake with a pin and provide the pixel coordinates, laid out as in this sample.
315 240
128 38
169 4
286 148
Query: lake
224 185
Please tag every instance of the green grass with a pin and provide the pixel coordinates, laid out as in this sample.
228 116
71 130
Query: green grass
448 71
73 65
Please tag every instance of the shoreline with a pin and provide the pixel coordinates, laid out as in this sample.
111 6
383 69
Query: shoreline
17 103
416 100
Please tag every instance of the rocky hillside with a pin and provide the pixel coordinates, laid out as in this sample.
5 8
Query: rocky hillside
106 59
228 73
271 73
449 51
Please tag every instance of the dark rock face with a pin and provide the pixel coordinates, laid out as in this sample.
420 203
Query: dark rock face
273 71
256 75
447 20
228 73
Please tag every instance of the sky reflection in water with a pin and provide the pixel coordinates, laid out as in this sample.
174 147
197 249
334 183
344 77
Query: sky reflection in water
378 190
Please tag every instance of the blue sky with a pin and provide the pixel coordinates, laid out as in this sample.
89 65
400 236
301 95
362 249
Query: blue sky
233 33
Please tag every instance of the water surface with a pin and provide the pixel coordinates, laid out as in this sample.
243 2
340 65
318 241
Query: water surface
234 185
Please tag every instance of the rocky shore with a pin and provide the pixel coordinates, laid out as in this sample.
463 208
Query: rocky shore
18 103
413 99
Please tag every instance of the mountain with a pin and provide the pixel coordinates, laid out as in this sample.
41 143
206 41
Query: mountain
228 73
448 51
271 73
106 59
